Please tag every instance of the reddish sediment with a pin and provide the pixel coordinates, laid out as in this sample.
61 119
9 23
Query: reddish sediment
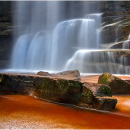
18 111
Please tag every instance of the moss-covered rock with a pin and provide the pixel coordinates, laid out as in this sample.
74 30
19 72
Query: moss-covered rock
99 89
59 90
118 86
104 90
86 98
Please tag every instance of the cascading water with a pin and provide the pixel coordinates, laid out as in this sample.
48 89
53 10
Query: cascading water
126 44
35 22
51 49
99 61
50 42
72 35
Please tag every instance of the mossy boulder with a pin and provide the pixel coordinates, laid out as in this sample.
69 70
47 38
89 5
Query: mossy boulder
117 85
104 90
58 90
69 92
89 100
99 89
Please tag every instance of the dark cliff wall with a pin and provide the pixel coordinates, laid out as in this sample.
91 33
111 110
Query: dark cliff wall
6 38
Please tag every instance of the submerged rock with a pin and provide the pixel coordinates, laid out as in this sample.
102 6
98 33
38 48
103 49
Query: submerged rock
118 86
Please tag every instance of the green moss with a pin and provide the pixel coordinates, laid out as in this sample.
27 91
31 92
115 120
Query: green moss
105 78
59 87
104 91
76 84
86 96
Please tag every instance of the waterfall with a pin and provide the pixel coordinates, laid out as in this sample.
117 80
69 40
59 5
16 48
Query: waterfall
49 47
99 61
126 44
72 35
48 38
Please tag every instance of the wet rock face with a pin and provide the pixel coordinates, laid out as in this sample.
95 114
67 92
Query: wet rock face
117 85
116 27
15 84
106 103
120 45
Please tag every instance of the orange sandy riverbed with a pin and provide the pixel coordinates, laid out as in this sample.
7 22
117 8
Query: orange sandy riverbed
18 111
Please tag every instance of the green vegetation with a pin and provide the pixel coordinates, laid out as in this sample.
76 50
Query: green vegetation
106 78
86 96
104 91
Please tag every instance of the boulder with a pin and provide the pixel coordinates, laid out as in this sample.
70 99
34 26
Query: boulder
53 89
70 92
15 84
88 100
57 90
106 103
99 89
118 86
72 74
42 73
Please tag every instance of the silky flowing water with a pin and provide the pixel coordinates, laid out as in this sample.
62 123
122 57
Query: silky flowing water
54 41
18 111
